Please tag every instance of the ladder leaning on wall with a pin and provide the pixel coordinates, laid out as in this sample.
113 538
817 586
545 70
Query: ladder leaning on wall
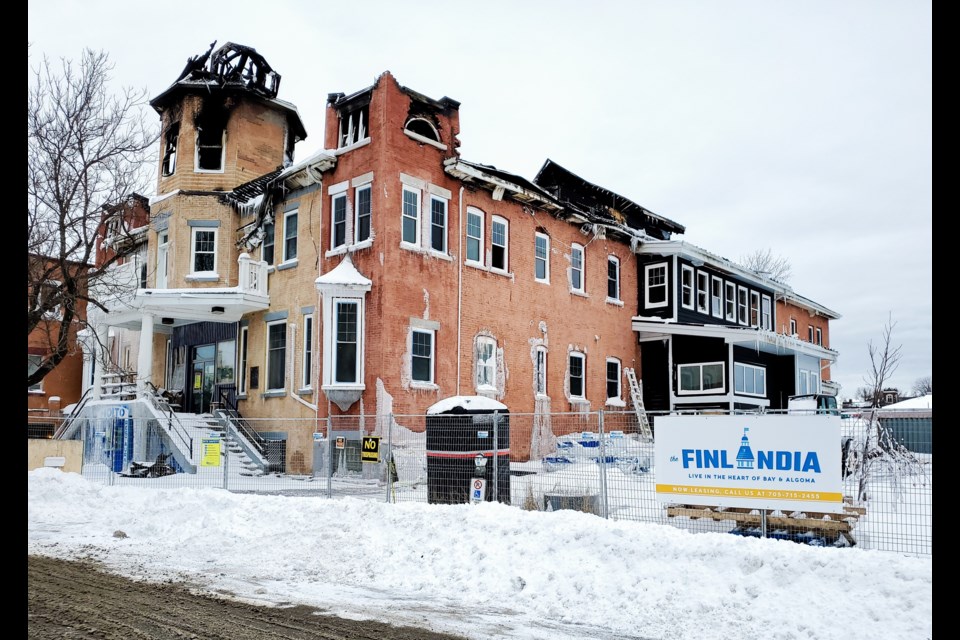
636 395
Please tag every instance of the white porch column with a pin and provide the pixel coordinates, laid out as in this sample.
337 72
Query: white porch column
99 350
145 355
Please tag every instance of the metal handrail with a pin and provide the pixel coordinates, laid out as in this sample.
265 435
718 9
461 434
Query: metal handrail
67 423
173 423
232 412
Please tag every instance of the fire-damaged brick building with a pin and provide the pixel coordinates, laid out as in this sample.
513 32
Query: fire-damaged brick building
387 272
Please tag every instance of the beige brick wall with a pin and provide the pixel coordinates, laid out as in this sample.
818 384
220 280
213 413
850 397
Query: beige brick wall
40 449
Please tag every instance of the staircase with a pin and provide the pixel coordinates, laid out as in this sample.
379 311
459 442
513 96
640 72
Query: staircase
214 426
636 395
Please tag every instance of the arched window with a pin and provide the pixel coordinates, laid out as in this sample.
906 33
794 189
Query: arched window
422 128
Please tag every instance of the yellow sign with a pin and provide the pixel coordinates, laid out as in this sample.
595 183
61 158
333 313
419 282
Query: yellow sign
370 452
211 452
197 380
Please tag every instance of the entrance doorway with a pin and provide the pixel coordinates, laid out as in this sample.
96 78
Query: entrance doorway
202 377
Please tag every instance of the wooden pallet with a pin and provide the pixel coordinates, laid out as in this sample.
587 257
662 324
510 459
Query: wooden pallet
823 524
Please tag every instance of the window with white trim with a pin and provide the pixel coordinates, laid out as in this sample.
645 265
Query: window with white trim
793 327
716 297
338 220
486 374
576 374
540 371
730 301
290 219
204 250
743 306
306 362
701 377
421 355
33 363
361 227
749 379
809 382
541 257
754 309
163 259
766 311
242 361
276 355
499 244
266 249
576 268
346 360
703 292
474 236
210 148
438 224
655 293
613 278
819 332
810 333
410 232
686 286
613 378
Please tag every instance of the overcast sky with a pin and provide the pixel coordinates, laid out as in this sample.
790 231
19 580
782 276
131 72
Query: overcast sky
803 128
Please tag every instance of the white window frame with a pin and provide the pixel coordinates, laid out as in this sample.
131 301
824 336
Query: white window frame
686 287
743 305
575 250
223 153
37 388
242 351
488 365
730 301
819 335
272 244
540 371
716 297
606 373
266 361
358 213
766 313
193 249
446 219
700 365
572 355
287 237
703 292
793 326
335 339
415 244
335 199
615 281
494 221
809 382
433 355
755 309
163 259
545 259
306 355
649 271
810 333
473 211
740 372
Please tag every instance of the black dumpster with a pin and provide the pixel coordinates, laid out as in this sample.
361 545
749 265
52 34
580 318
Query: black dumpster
459 430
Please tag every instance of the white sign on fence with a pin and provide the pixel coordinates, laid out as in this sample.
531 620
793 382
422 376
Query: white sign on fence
785 462
478 488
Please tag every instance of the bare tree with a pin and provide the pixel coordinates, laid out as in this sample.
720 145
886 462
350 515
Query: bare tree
923 386
765 262
884 360
87 152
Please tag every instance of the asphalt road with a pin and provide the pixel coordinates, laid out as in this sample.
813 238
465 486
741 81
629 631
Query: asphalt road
78 600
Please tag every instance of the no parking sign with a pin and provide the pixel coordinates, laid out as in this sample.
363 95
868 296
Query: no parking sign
477 489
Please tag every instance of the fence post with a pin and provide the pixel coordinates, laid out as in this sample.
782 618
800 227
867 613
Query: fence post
496 469
603 465
389 456
226 455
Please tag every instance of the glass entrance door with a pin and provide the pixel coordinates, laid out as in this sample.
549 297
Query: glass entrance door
202 378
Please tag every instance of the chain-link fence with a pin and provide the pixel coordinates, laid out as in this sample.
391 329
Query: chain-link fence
598 462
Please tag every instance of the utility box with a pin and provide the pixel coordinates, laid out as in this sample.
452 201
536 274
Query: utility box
468 437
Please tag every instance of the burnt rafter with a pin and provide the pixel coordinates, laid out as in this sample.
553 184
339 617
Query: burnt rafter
233 64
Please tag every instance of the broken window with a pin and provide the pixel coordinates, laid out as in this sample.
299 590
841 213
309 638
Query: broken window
486 364
540 372
422 128
33 363
210 148
353 126
170 149
266 249
499 236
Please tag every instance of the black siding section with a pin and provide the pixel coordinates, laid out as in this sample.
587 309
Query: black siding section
688 316
655 373
203 333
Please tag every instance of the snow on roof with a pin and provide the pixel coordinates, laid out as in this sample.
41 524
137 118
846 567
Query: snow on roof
344 273
923 402
470 403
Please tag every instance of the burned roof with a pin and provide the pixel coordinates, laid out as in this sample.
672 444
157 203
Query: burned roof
597 203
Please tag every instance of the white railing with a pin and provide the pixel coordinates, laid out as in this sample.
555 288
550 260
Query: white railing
253 275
